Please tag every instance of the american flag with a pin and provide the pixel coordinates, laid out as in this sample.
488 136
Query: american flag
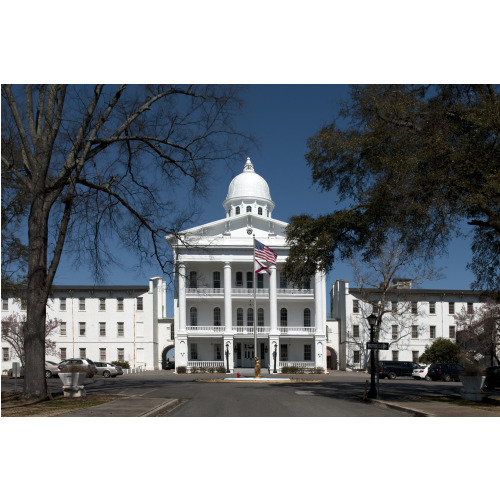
264 253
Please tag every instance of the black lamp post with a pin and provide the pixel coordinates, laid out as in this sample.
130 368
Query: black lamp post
227 357
372 321
275 355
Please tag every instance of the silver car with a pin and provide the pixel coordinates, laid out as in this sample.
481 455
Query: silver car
108 369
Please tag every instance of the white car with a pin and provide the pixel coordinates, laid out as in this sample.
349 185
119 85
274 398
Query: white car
421 373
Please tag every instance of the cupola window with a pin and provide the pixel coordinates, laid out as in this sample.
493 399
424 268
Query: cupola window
237 210
260 211
249 208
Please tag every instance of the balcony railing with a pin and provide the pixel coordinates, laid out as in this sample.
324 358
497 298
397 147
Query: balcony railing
240 291
249 330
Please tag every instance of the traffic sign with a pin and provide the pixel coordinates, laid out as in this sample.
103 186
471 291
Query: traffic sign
381 346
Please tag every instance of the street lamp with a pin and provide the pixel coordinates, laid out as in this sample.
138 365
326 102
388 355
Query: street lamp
227 357
275 355
372 321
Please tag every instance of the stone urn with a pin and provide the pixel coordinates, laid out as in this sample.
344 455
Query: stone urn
73 384
471 390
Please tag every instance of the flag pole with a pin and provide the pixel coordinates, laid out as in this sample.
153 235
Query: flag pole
257 375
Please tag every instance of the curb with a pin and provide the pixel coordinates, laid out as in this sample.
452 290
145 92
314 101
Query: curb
385 404
167 407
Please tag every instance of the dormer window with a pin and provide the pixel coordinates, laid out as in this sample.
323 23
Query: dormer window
249 209
260 211
237 210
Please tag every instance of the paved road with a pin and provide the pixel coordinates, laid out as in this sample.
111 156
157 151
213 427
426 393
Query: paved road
336 394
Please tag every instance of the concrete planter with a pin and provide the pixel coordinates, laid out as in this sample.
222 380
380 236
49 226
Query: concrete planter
73 384
471 389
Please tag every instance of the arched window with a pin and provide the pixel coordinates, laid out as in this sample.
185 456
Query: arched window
259 211
249 209
239 316
237 210
250 317
260 317
193 316
217 316
283 318
307 317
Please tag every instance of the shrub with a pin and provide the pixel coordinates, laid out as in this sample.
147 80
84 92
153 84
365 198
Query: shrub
211 369
194 369
221 369
319 369
123 364
181 369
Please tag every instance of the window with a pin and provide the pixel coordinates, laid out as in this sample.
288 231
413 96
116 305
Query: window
193 316
218 351
5 306
194 350
62 328
394 306
81 304
452 332
237 210
216 279
24 305
120 328
414 356
432 332
119 304
102 329
414 332
102 355
217 321
83 352
140 303
62 304
470 308
249 209
284 318
355 331
355 306
395 355
282 281
260 281
268 213
250 279
307 352
250 317
432 308
451 308
307 317
306 283
102 304
239 316
239 279
394 331
259 211
82 328
283 352
5 353
356 357
121 354
414 307
260 317
62 353
193 279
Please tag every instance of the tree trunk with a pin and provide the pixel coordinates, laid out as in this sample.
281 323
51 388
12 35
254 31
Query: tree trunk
35 384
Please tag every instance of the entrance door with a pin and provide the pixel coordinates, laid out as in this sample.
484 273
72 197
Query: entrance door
247 356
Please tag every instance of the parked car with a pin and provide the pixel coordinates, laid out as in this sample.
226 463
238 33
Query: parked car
51 369
445 371
492 379
421 373
84 362
393 369
108 369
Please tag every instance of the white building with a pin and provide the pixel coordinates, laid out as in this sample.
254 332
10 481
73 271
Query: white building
414 319
104 323
214 313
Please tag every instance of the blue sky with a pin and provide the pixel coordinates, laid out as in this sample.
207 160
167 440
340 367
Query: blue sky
282 118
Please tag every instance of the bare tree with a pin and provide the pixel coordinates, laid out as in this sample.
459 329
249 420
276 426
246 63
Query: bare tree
13 332
385 288
106 166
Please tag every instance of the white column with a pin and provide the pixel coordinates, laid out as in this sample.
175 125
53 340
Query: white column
318 301
273 301
182 297
228 305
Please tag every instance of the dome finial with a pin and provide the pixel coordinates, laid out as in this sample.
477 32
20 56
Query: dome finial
248 166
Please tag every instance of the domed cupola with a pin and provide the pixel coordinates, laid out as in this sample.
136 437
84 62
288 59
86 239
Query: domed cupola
248 193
